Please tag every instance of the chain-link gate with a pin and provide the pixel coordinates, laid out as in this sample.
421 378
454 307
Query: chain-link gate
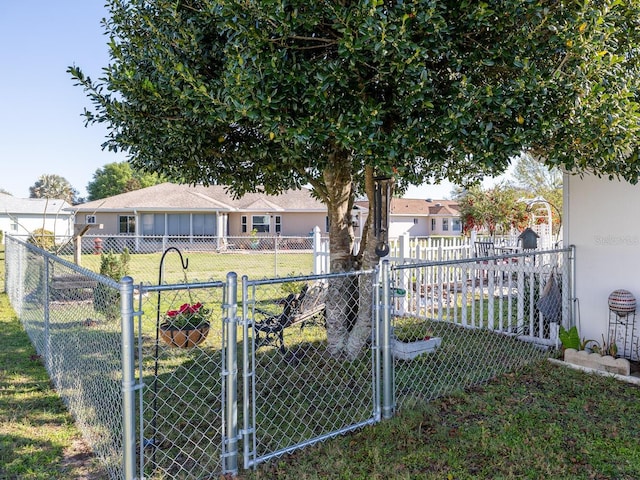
295 392
181 408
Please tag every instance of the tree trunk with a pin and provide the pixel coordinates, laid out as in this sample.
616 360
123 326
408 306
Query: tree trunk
339 197
367 259
349 299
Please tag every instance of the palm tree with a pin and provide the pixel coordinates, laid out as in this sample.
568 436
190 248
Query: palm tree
53 186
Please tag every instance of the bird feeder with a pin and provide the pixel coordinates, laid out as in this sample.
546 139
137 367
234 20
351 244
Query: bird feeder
528 239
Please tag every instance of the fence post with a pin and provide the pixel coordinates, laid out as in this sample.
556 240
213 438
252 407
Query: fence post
387 361
569 286
275 247
404 247
128 379
247 375
318 254
230 457
47 302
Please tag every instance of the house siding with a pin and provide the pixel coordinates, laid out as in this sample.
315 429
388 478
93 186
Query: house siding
21 216
607 252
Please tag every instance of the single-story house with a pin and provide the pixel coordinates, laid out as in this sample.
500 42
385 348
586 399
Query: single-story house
607 255
420 218
194 211
21 216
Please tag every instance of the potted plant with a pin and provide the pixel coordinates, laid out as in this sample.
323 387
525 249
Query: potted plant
255 241
410 350
408 342
186 327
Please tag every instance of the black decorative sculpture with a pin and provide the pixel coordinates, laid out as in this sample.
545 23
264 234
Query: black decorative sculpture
381 207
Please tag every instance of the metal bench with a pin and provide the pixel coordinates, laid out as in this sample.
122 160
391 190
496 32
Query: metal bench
72 287
297 309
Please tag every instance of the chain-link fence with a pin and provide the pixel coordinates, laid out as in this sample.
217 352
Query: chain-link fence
72 317
257 376
211 257
475 319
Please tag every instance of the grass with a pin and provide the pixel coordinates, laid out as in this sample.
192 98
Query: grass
205 266
542 421
38 439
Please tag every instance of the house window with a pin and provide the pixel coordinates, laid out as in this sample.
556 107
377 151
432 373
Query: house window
152 224
326 223
244 224
90 219
278 225
178 224
127 224
14 227
203 224
456 225
260 223
433 224
445 224
415 221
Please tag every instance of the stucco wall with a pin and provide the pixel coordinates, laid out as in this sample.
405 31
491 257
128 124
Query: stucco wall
602 219
400 225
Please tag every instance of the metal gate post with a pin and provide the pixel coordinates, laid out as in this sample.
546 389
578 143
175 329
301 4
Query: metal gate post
230 458
128 379
387 361
570 286
47 317
247 375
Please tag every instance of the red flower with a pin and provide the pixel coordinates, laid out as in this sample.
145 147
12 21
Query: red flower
188 315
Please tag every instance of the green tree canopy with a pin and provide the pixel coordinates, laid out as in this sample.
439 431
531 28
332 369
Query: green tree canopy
119 177
53 186
532 175
537 180
271 94
496 210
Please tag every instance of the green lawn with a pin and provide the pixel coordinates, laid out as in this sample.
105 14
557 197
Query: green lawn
205 266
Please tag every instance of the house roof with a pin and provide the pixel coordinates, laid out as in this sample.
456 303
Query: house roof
32 206
420 207
171 196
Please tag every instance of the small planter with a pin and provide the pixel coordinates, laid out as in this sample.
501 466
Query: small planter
183 337
410 350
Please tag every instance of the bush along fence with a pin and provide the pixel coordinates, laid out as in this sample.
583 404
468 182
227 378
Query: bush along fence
194 379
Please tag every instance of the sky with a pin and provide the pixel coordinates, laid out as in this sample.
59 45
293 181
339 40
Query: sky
42 130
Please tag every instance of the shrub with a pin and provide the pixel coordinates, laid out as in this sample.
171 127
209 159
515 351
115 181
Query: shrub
106 300
42 238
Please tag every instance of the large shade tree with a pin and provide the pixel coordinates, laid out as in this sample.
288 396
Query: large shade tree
119 177
273 94
497 210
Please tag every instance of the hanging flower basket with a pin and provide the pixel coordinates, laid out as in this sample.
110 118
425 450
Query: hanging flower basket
185 327
186 337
